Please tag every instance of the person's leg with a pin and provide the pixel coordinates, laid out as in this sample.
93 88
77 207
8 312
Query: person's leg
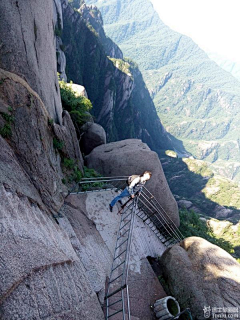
124 194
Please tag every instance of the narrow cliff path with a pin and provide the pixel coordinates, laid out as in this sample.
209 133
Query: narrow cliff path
96 229
142 230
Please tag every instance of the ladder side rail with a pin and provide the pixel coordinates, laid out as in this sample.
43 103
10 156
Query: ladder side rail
125 276
130 206
129 242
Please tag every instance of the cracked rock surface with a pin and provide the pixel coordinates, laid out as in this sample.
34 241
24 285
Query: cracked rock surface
28 48
31 138
41 276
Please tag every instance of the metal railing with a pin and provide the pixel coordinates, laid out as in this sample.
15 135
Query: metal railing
87 185
153 214
147 208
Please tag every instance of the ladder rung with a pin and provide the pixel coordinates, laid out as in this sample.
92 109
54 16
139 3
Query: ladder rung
113 314
116 278
148 223
150 216
122 243
123 234
118 265
125 225
119 254
142 215
114 292
127 215
165 234
114 302
165 241
129 206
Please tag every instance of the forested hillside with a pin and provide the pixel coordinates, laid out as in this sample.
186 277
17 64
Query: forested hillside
197 101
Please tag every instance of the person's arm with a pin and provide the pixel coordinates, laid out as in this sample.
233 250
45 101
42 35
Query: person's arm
132 185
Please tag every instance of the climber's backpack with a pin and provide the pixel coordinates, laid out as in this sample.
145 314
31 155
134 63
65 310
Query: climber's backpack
131 178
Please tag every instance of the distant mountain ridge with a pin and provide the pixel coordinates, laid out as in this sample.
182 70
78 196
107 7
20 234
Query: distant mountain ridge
198 102
227 64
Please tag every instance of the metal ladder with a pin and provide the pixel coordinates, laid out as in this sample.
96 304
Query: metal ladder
117 297
147 208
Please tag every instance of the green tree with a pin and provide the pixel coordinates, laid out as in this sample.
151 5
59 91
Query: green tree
77 106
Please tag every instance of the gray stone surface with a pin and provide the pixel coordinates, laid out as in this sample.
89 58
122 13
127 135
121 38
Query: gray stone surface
13 177
40 273
185 204
32 138
201 274
57 293
222 212
86 241
61 59
57 13
67 134
93 136
28 48
129 157
58 23
144 286
79 90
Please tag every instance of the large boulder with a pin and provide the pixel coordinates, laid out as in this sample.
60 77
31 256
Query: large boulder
93 136
200 274
222 212
24 123
78 90
185 204
132 156
27 48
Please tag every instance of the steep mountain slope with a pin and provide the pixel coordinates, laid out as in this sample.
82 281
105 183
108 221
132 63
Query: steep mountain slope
197 101
50 268
121 101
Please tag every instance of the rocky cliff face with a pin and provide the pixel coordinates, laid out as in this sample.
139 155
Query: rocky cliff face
38 263
58 23
24 123
121 102
54 266
47 269
28 48
196 100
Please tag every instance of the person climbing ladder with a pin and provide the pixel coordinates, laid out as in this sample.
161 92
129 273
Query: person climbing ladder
135 184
